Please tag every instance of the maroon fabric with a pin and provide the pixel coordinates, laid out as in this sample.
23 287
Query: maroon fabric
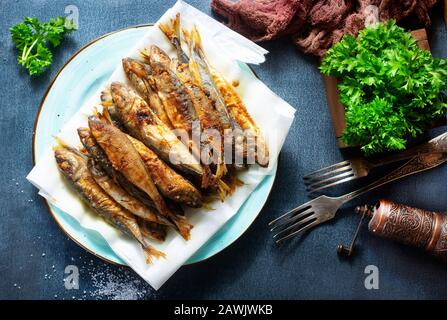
315 25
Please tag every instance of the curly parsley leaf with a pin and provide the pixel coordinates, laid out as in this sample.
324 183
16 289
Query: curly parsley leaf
33 40
391 89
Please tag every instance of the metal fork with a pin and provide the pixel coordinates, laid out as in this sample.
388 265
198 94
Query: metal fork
360 167
324 208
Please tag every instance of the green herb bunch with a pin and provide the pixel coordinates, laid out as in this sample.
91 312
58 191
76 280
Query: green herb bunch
32 39
390 88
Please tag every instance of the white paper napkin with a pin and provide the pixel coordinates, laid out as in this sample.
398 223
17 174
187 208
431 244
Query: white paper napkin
224 49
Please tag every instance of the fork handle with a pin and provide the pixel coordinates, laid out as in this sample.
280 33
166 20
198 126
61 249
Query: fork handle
438 144
417 164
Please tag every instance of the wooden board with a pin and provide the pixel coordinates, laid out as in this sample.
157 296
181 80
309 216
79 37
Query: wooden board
336 108
445 11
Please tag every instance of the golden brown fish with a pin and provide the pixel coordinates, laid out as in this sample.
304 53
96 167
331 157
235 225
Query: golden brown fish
125 159
170 183
143 124
140 75
96 153
118 194
239 112
173 94
201 71
212 145
74 168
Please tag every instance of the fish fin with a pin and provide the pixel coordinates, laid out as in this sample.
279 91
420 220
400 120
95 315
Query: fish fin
167 30
196 42
145 54
221 170
183 226
150 252
223 190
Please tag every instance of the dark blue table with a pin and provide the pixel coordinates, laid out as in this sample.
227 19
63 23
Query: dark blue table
34 252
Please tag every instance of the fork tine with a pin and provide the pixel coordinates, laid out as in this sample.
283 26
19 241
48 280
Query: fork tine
296 224
305 206
329 180
303 229
321 176
327 168
332 184
285 222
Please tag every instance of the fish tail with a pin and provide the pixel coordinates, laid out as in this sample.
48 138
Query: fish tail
145 54
150 252
183 226
196 41
207 178
167 30
176 25
221 170
223 190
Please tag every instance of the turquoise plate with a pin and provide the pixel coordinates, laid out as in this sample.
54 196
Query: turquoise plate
77 80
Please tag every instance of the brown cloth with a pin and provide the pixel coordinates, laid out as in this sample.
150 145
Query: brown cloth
315 25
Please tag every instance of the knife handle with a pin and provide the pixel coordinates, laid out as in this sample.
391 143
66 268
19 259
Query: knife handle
437 144
415 227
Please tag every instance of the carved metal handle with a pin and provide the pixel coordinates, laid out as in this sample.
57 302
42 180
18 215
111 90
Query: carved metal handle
411 226
438 144
419 163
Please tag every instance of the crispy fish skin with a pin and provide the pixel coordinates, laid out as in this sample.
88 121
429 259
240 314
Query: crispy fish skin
123 198
140 75
201 70
100 157
152 230
144 125
239 112
208 117
125 159
176 100
170 183
74 168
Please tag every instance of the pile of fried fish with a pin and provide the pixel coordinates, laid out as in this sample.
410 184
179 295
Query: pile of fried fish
133 169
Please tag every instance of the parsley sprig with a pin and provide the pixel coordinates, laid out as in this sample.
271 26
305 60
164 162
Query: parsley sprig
390 88
33 40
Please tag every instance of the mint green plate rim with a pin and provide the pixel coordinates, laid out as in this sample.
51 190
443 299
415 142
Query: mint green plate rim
79 78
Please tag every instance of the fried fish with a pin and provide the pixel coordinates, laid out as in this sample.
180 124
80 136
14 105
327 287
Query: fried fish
74 168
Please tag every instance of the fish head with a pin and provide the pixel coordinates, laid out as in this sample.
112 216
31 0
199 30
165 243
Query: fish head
122 95
157 55
136 68
69 162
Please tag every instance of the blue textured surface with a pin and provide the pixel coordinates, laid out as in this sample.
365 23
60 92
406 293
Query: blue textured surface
34 251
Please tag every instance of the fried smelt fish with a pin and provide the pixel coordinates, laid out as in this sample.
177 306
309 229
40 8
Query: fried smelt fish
176 100
74 168
144 125
212 130
96 152
140 75
122 197
170 183
239 112
201 70
125 159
